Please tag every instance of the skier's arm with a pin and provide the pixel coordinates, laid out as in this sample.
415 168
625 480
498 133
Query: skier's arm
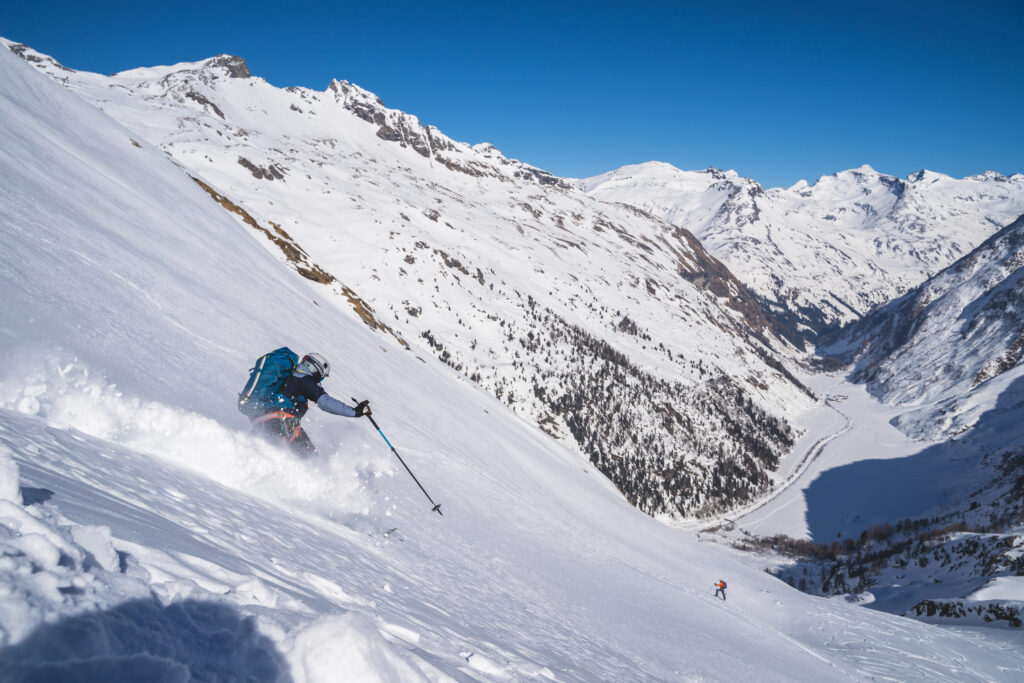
329 404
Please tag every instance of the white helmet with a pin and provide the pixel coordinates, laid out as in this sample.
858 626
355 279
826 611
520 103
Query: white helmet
317 364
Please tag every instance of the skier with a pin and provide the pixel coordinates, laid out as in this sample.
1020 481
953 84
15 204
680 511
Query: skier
302 386
720 588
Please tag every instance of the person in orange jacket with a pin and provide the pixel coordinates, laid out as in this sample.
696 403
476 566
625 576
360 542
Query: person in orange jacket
720 588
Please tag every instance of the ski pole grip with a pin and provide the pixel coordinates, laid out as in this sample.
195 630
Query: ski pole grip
372 421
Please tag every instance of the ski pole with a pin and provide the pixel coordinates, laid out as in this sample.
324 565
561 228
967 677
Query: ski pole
437 506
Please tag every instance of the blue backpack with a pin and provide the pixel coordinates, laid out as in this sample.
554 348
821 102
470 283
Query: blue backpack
261 393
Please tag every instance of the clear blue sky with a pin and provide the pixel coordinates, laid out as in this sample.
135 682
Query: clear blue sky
777 91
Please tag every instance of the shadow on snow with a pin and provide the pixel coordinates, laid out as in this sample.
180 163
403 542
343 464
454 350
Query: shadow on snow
848 499
142 640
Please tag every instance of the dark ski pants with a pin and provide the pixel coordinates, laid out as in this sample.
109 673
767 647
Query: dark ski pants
284 428
722 591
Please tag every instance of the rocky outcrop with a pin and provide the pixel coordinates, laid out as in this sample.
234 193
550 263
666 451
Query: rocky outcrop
300 261
407 131
235 66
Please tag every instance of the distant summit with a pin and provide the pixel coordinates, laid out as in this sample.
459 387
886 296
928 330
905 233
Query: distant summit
235 66
823 255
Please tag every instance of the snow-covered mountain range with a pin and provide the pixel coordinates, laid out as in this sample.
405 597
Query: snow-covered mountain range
824 255
146 535
613 330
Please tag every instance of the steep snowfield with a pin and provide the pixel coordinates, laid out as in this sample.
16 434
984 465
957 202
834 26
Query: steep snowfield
155 539
601 324
824 254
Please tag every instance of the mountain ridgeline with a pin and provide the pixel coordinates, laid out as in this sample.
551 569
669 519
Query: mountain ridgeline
821 256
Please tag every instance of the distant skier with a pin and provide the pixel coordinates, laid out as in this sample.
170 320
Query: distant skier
720 588
278 416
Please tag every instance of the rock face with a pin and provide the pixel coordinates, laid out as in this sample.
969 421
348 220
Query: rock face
820 256
235 66
607 327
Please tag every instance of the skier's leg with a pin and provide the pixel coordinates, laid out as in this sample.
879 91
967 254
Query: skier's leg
283 428
302 445
271 430
298 440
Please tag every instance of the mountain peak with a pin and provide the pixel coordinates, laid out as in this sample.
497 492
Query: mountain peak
487 149
719 174
30 55
925 174
235 66
992 175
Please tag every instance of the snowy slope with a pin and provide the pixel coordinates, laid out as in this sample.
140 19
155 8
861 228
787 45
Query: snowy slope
948 349
824 254
605 326
150 520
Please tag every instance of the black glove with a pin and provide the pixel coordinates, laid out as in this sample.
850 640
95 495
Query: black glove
363 408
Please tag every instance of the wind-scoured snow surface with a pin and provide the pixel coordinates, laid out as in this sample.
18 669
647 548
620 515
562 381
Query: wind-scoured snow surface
824 254
144 535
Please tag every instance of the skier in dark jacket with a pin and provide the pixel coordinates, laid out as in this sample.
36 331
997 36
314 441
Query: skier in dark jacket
302 387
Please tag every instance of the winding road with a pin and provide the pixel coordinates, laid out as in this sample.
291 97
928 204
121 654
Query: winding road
833 437
810 456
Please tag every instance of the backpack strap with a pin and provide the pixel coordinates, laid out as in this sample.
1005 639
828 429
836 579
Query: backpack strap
276 415
254 380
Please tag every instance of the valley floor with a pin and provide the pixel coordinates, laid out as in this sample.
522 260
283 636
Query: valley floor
853 471
828 466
